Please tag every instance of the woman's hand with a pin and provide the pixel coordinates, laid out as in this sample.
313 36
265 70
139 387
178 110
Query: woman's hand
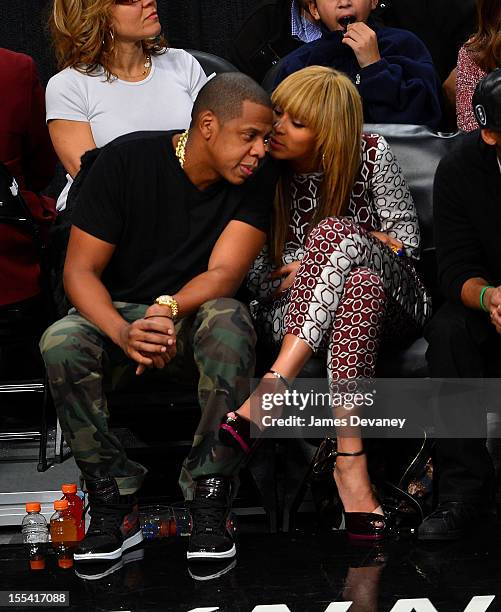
288 273
393 243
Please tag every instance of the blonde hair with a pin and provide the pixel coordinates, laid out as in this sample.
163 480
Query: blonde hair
83 37
326 101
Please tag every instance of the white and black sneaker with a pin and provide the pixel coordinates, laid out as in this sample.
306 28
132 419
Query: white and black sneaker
114 524
211 538
99 570
203 572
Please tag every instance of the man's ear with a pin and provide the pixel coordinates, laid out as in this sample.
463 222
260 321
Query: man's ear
490 137
207 124
374 4
312 7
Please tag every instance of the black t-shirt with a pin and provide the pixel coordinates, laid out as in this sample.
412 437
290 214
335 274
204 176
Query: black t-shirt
137 197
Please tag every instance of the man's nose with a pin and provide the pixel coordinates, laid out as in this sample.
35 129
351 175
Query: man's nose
259 148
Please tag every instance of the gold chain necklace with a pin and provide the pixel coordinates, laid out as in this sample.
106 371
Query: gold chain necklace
181 147
147 66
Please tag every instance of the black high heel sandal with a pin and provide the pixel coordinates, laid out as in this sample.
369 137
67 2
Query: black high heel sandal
369 526
235 429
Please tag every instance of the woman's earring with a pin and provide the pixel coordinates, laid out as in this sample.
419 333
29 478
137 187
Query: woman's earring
112 38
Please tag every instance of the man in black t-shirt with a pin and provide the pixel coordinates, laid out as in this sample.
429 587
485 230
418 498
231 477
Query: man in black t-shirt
463 336
164 231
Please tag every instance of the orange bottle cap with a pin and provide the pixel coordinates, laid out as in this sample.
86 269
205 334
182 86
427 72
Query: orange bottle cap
33 507
61 504
69 488
37 564
65 562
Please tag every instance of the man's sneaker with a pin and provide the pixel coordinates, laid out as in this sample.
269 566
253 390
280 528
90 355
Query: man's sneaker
114 524
210 537
203 572
96 571
452 520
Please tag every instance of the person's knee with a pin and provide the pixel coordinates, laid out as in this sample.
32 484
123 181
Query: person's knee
68 345
330 232
334 229
364 283
55 342
226 319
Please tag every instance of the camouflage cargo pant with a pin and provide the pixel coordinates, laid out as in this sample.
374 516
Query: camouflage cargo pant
216 345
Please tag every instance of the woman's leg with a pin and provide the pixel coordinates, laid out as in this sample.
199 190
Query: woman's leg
352 354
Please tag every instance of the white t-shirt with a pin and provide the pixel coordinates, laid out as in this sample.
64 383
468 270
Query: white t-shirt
162 101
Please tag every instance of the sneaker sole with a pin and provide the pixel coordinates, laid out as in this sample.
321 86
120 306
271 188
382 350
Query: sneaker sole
136 555
222 572
207 556
137 538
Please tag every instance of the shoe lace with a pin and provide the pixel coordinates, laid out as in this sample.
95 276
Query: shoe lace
208 519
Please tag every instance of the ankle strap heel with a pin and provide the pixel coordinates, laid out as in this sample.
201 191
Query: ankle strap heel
327 453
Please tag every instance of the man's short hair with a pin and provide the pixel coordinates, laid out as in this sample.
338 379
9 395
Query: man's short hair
225 94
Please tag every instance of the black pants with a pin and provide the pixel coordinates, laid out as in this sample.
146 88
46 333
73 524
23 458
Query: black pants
463 344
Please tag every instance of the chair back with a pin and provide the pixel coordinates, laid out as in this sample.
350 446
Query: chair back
212 64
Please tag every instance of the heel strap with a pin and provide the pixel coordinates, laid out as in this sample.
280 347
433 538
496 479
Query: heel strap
325 457
355 454
280 378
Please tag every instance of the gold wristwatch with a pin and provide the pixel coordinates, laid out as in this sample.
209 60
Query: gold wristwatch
168 300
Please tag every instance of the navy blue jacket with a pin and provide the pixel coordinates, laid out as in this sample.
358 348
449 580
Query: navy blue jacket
402 87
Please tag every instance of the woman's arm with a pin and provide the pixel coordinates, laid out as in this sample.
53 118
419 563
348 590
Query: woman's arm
393 201
71 139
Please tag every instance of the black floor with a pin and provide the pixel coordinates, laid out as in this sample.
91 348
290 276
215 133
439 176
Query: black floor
303 571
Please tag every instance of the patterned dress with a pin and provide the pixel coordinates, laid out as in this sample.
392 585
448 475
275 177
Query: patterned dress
350 288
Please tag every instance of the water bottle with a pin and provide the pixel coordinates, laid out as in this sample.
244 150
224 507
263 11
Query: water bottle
34 525
35 535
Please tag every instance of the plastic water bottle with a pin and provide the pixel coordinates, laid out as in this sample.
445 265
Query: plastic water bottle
35 535
34 525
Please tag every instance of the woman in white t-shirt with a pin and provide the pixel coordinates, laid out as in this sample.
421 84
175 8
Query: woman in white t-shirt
117 76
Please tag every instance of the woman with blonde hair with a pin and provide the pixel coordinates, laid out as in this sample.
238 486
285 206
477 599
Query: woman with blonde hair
117 76
338 273
479 56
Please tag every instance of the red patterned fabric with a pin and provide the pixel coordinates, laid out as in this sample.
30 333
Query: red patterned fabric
468 76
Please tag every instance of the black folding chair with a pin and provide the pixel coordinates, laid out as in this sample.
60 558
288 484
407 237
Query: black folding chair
23 322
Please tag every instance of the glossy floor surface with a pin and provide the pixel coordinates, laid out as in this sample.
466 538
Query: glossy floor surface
303 571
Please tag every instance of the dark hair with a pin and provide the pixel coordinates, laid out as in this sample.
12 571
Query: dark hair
485 45
225 94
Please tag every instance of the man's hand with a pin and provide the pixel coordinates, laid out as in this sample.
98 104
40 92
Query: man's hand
492 301
393 243
289 272
363 41
149 342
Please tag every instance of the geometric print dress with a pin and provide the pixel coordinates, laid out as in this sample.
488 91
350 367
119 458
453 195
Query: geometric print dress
351 291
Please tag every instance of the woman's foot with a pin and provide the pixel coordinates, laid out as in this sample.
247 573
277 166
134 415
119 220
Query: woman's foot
236 426
364 517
